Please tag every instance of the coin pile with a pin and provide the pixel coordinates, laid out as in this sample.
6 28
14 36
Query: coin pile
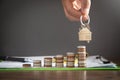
70 59
81 56
37 63
26 65
59 60
47 62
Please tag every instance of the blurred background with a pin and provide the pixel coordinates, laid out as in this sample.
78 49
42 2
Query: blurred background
39 27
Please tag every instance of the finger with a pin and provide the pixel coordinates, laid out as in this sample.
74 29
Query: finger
70 10
76 4
85 8
71 18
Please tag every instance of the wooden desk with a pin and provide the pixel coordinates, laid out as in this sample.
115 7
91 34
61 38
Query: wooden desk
59 75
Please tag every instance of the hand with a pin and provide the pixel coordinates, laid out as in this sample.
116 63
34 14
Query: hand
75 8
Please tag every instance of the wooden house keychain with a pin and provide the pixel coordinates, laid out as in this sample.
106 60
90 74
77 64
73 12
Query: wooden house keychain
84 32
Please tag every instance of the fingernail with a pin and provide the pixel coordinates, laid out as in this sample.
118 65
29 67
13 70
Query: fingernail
85 17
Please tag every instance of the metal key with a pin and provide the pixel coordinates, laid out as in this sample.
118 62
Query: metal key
84 33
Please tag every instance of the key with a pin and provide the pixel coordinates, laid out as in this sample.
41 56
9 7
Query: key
84 32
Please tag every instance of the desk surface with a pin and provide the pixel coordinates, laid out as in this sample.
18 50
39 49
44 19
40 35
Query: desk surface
59 75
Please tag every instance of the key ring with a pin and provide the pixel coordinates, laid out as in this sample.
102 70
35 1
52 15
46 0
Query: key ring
81 21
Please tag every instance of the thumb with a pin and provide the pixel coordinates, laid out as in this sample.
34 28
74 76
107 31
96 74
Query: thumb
85 8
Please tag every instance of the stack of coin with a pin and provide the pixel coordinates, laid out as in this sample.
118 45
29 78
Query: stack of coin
81 48
47 62
70 59
37 63
81 56
59 60
26 65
